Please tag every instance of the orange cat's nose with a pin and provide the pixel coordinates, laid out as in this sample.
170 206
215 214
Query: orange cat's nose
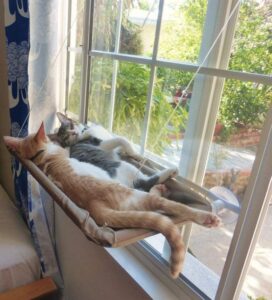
11 142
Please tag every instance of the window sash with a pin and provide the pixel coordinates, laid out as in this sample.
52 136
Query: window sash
255 206
248 228
115 64
151 79
182 66
86 59
206 94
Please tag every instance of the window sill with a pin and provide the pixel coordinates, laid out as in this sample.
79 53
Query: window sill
152 275
143 276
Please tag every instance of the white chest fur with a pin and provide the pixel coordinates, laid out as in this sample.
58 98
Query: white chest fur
128 174
53 149
86 169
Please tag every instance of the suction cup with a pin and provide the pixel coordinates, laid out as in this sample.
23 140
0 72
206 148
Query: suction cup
227 206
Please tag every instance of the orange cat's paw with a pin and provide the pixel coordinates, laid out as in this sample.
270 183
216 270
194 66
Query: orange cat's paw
211 220
208 220
159 190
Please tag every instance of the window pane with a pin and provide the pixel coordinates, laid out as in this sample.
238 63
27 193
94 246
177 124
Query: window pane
157 242
105 18
241 115
138 27
75 61
76 25
252 47
137 30
182 27
165 138
164 144
100 91
131 95
258 280
242 112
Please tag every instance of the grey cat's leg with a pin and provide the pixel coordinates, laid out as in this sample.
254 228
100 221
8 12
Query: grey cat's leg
145 183
113 143
166 174
121 143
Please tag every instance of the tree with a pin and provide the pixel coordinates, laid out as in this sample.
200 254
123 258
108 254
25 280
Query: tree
182 34
245 103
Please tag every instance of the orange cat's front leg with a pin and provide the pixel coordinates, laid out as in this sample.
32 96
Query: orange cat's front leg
186 213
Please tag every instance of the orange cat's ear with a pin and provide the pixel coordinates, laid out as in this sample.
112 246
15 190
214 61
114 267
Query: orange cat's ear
40 135
12 143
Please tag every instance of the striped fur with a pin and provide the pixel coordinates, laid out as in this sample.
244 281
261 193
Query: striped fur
109 202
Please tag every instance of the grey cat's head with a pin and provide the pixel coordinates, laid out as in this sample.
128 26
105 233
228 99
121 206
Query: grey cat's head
67 134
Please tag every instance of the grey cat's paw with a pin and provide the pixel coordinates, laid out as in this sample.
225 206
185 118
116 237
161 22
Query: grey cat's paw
171 173
209 220
167 173
136 156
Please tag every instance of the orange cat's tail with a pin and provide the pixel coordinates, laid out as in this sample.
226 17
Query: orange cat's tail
153 221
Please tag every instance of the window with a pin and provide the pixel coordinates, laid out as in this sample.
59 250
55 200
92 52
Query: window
188 82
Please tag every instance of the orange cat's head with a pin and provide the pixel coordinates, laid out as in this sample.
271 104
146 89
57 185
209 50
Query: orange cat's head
29 146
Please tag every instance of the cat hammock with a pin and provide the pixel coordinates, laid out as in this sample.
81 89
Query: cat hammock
190 193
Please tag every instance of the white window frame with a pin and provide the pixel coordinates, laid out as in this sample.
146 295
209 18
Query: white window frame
203 110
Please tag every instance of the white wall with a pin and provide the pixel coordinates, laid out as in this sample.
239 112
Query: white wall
5 163
89 272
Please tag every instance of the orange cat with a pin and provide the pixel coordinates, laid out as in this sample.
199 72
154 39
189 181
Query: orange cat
108 201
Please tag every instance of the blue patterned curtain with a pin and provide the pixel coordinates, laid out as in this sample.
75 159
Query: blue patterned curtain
28 195
17 39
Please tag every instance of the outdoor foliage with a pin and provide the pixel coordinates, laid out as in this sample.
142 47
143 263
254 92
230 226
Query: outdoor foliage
243 103
130 102
181 37
130 107
75 85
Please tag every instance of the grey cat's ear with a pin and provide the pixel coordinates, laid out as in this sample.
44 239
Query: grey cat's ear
64 119
53 137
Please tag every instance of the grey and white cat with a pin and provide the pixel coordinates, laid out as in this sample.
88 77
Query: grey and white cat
105 154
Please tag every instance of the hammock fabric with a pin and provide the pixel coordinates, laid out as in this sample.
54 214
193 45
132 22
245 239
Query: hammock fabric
108 237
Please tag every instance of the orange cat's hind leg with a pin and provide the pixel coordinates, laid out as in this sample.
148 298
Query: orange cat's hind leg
160 190
148 220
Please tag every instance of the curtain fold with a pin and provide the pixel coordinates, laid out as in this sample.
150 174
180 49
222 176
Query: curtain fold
17 41
32 79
